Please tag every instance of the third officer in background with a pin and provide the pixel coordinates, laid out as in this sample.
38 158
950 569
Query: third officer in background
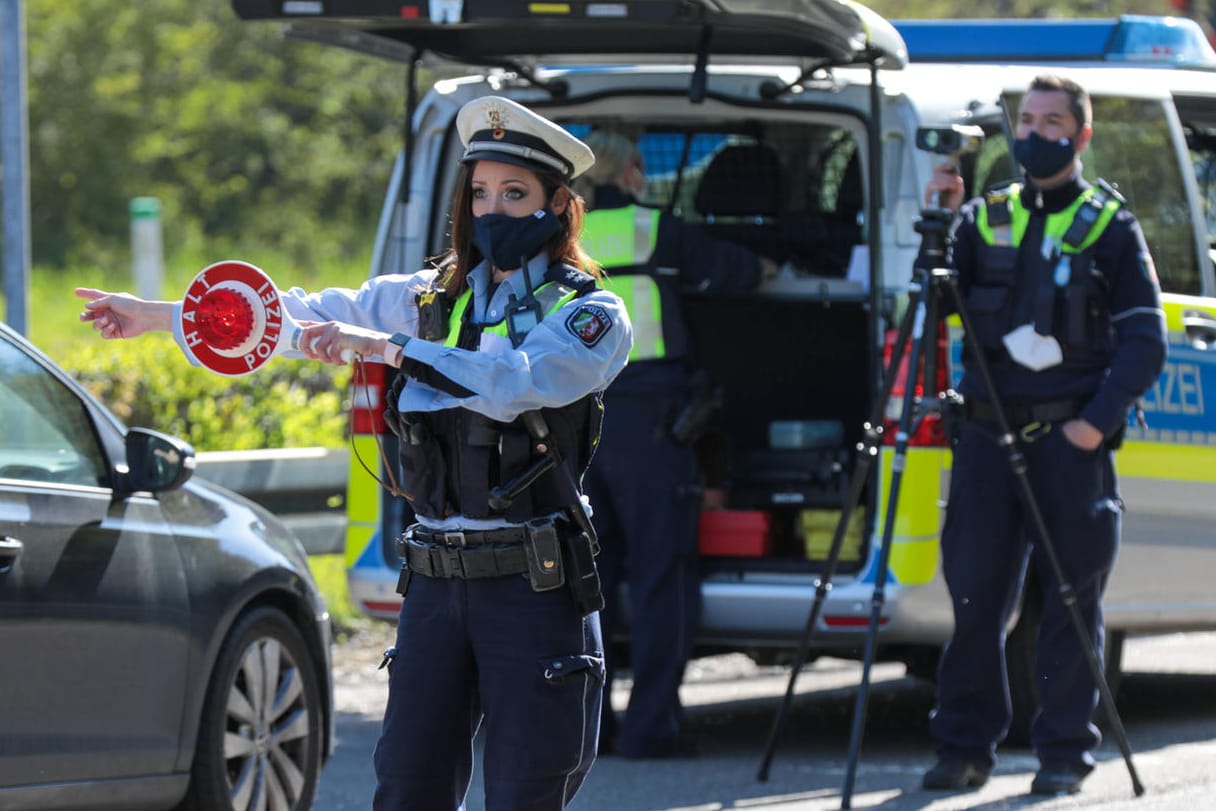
643 481
1064 303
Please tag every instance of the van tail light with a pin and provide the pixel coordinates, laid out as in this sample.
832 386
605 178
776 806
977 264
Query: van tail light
388 609
928 427
367 399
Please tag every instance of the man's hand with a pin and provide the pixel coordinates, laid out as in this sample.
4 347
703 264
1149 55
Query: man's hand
945 187
1082 434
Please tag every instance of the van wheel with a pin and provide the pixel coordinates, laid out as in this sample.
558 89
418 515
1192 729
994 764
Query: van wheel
1019 665
259 740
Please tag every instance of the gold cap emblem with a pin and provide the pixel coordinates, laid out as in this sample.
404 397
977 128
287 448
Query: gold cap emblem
496 120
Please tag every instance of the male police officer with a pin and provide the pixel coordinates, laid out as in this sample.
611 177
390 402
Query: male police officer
1064 304
643 481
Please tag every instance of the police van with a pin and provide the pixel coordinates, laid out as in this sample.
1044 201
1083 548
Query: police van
791 126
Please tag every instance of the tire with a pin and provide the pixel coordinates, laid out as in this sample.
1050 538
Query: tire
1020 648
259 744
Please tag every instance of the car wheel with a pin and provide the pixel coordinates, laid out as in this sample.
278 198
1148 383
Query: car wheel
259 741
1020 648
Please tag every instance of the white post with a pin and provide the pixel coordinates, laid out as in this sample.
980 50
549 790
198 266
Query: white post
147 254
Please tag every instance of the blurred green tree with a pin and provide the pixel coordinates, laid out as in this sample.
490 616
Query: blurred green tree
246 137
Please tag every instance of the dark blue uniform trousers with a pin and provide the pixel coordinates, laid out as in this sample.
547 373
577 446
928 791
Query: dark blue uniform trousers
525 664
986 542
642 486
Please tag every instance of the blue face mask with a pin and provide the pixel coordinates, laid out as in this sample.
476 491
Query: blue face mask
1042 158
508 242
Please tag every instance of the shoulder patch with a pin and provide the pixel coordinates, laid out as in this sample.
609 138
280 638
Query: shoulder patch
589 323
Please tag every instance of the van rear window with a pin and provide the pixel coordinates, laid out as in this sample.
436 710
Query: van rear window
792 192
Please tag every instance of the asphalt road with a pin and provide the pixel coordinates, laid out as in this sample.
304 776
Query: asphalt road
1167 702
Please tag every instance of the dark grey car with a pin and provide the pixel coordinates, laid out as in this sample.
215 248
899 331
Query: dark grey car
162 641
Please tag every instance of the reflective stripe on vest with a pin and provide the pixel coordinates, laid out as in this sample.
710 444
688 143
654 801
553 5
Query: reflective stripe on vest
625 238
1054 228
640 295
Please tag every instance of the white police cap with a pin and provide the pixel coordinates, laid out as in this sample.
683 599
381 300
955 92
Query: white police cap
497 129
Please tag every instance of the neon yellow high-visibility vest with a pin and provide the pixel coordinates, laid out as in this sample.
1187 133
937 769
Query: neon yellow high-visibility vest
625 238
1011 232
552 298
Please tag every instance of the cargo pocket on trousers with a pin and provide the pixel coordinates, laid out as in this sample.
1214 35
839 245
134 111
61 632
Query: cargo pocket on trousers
575 685
557 669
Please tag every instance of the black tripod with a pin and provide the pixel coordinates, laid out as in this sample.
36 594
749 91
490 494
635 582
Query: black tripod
929 275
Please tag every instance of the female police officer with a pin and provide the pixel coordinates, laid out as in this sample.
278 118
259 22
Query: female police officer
508 327
1064 304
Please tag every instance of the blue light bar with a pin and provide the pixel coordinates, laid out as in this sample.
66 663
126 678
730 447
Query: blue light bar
1130 38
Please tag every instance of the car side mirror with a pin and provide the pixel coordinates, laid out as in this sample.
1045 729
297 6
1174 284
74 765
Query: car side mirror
157 462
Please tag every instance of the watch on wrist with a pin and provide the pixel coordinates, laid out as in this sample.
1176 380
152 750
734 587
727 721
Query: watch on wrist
400 339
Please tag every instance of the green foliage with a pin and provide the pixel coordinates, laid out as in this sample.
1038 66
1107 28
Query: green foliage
148 382
247 138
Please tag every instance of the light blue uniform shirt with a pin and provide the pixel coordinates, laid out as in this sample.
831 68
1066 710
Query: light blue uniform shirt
553 366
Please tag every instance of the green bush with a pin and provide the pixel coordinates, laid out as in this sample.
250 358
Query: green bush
148 382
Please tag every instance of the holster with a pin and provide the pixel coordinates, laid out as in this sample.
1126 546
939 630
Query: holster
545 569
581 574
696 411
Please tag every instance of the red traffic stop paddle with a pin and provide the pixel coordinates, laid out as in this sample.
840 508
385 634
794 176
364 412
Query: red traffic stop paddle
233 320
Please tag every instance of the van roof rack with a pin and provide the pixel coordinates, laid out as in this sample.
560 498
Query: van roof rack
837 32
1131 38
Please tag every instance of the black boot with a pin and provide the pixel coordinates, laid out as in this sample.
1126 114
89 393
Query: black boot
1058 778
951 773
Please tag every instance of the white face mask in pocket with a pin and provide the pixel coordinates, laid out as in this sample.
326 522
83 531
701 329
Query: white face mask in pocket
1034 351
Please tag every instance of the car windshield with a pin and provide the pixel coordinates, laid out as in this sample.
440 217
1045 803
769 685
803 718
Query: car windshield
45 432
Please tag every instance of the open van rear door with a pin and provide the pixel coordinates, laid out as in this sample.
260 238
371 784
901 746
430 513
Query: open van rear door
813 32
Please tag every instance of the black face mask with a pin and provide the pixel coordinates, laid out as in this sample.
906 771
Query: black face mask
508 242
1042 158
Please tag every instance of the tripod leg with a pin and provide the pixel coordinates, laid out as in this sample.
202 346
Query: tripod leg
1067 594
924 311
867 452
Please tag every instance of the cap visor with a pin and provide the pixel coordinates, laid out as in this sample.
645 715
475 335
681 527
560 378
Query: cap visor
506 157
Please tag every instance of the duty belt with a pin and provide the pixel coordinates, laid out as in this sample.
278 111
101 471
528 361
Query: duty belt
466 555
485 537
1019 414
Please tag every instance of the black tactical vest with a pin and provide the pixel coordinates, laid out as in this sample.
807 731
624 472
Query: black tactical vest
452 459
1065 295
